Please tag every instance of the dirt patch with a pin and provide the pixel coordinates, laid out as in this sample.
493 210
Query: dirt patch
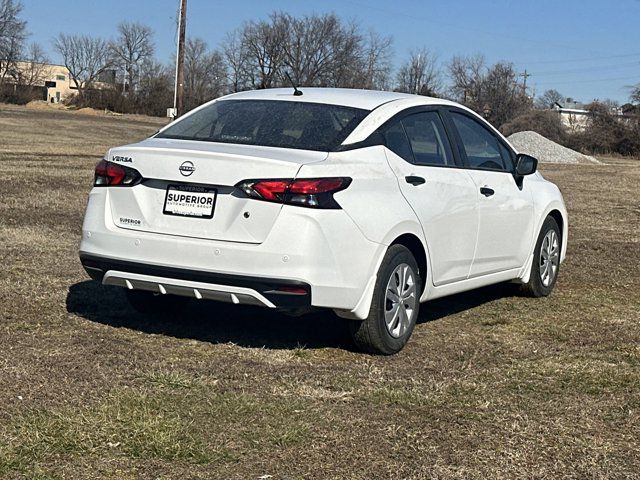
88 111
42 105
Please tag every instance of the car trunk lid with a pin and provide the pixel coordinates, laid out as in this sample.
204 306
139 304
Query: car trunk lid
201 171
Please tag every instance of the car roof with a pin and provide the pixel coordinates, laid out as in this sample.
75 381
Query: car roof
348 97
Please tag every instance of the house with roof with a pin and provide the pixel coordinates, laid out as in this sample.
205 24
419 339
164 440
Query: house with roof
47 81
40 81
573 115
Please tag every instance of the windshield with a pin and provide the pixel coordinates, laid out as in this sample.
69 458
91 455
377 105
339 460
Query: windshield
269 123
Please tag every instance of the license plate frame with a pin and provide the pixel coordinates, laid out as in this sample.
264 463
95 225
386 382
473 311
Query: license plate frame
180 209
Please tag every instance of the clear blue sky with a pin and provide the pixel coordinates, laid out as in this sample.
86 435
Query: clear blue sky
584 48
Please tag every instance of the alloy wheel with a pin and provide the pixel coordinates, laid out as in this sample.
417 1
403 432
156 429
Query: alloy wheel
549 258
400 300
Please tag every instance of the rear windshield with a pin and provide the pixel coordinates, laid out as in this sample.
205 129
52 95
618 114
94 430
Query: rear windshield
269 123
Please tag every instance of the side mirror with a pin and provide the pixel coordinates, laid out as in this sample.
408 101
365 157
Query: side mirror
525 165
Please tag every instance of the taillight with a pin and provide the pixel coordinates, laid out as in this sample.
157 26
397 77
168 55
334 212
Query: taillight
305 192
110 174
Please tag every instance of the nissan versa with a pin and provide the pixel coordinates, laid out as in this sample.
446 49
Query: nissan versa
363 202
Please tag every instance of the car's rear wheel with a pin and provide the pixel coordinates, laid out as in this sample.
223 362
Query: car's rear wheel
546 260
155 304
395 305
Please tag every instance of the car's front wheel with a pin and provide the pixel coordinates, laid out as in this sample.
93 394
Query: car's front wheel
546 260
155 304
395 305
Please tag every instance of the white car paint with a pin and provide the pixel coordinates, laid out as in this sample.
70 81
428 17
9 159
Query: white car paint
469 240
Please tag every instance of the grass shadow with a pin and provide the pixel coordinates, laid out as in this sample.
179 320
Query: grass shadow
443 307
246 326
212 322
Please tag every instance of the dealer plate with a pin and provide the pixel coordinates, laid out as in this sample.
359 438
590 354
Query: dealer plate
190 201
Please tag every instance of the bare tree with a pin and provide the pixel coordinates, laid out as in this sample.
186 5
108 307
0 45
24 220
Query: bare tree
34 70
308 52
376 62
549 98
545 122
466 75
635 94
420 74
321 51
205 74
347 47
612 105
155 88
491 91
236 61
503 98
315 50
12 36
133 46
85 57
263 46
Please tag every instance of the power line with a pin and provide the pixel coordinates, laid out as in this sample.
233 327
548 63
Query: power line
574 60
491 34
631 79
588 69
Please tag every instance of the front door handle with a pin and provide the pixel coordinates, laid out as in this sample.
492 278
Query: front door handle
414 180
486 191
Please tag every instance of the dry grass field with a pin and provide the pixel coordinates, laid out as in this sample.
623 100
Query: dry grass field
492 385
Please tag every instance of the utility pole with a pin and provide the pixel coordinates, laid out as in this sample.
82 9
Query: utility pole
178 97
525 75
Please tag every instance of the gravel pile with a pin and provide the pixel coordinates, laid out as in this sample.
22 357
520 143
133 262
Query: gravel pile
545 150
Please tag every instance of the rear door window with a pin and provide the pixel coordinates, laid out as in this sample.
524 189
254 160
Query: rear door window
428 139
396 140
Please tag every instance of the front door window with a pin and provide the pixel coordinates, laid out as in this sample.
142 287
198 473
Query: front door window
482 148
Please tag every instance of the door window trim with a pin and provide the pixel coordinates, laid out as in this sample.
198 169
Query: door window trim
441 111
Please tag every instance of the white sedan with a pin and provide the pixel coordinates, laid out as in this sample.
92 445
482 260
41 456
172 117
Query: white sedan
367 203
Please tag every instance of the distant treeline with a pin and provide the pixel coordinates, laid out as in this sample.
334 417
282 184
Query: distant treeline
314 50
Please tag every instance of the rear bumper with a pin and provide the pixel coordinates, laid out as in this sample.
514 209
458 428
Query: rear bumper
272 293
322 250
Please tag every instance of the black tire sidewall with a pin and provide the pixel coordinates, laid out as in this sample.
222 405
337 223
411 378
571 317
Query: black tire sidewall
535 281
396 255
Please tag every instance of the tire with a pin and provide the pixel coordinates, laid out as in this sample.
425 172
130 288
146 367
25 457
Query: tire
149 303
546 261
373 335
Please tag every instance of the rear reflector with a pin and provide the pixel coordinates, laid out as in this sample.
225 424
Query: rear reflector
305 192
292 290
289 290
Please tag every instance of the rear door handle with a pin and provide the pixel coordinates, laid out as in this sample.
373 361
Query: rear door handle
486 191
414 180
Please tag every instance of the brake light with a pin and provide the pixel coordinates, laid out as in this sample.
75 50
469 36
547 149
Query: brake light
304 192
316 185
272 190
108 174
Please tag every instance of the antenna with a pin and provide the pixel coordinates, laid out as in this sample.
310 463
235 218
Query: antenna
296 92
